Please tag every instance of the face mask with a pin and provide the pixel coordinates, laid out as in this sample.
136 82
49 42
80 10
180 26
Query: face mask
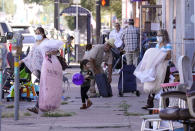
159 39
38 37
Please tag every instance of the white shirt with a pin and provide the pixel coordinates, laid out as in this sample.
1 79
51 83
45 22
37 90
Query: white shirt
117 36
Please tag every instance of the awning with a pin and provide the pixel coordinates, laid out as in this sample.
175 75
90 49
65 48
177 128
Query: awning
72 11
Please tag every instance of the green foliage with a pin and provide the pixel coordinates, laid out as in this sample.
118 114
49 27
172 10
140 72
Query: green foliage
133 114
10 106
88 4
27 114
70 21
9 6
57 114
42 2
124 106
7 115
32 1
64 103
115 8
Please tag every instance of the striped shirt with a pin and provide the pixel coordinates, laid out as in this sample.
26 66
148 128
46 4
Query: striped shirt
130 38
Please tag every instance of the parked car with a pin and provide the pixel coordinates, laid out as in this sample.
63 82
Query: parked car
4 28
29 41
23 29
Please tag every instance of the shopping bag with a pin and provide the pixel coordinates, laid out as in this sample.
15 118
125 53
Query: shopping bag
50 84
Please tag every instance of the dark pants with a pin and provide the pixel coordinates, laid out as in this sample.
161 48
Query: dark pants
39 77
84 95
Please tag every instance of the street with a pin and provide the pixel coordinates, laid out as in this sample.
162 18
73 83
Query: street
106 114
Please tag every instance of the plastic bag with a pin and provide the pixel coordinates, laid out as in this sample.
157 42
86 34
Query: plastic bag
50 84
146 70
144 75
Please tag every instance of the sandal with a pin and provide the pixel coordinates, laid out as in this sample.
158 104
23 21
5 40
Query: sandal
33 109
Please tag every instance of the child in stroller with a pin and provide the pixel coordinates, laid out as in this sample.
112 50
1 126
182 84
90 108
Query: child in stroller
8 73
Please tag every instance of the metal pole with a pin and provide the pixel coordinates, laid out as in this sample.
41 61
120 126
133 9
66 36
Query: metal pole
56 14
77 17
0 114
16 88
98 21
163 14
77 22
1 83
140 27
1 74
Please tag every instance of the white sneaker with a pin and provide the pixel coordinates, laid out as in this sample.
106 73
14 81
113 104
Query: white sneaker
119 70
116 71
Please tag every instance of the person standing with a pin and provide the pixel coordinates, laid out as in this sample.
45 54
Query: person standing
130 37
164 45
34 59
88 76
116 34
69 47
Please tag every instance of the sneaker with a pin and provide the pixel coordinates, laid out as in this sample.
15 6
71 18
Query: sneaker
119 70
83 107
115 72
147 106
93 95
33 109
89 103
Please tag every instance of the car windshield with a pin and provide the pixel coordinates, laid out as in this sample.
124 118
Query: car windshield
29 39
22 29
5 28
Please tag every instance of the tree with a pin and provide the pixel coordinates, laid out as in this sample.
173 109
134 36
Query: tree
88 4
115 7
36 1
8 6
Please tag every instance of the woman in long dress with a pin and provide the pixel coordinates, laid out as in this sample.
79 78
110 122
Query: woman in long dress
35 57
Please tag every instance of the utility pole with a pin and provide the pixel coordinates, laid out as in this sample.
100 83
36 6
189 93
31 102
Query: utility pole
98 21
77 34
56 14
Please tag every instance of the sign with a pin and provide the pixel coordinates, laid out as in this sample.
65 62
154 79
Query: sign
155 26
65 1
76 1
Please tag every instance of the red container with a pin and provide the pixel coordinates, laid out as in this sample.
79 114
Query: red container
193 74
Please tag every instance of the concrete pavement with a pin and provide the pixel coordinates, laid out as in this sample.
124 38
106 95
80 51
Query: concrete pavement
106 114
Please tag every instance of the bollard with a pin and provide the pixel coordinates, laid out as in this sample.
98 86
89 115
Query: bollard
16 51
1 79
1 73
16 87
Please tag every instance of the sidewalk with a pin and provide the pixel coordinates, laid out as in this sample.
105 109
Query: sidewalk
106 114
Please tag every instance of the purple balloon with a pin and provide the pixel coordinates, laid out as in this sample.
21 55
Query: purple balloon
78 79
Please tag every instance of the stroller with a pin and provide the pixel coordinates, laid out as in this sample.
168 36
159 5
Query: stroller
25 79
